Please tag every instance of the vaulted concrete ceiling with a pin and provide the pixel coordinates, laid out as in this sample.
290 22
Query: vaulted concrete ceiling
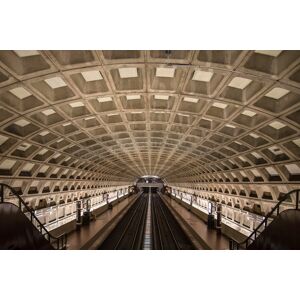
186 116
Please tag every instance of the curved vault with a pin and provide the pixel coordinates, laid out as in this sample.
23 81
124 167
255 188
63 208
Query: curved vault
220 121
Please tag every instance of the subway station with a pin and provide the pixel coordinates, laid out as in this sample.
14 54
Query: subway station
149 150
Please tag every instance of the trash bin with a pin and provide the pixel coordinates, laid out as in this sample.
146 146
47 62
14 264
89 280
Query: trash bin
86 218
211 221
78 214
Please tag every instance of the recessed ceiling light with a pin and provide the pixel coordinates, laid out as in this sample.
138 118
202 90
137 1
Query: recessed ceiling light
7 164
128 72
220 105
55 82
277 125
243 173
248 113
20 92
202 76
55 171
76 104
66 124
43 133
22 123
293 169
275 150
56 155
43 169
104 99
254 135
277 93
91 75
89 118
230 126
165 72
205 119
273 53
112 115
182 115
256 173
28 167
59 140
161 97
271 171
24 146
26 53
3 139
48 112
191 100
136 112
239 83
297 142
43 151
256 155
133 97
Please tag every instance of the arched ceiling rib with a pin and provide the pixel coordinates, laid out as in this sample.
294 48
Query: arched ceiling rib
185 116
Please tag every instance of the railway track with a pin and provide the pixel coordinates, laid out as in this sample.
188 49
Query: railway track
129 233
167 234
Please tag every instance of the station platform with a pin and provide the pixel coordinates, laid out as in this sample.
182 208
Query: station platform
89 236
85 237
208 238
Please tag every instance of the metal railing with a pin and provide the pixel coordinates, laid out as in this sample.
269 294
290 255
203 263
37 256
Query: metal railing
57 242
234 245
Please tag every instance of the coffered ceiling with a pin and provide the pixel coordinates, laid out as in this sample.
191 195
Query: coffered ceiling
186 116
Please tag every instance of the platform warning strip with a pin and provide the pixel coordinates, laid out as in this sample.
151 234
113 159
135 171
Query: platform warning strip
147 236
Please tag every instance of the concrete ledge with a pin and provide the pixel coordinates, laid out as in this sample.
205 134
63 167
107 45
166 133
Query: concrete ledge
232 233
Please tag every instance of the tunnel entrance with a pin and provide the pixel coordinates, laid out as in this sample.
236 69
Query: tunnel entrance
149 183
147 190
